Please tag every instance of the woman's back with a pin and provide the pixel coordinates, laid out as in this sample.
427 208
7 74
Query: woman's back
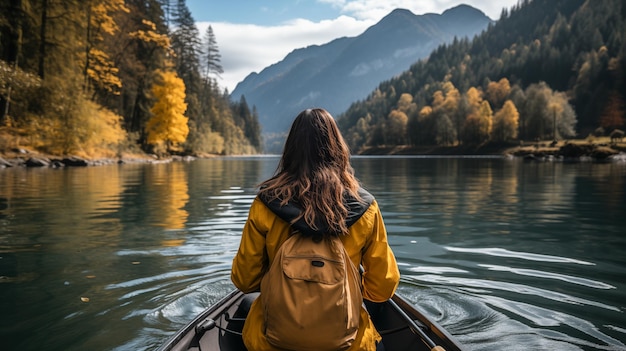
314 194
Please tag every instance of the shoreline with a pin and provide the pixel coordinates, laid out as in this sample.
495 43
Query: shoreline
29 159
573 151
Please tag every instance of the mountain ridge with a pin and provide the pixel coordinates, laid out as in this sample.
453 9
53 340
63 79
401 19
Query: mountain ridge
347 69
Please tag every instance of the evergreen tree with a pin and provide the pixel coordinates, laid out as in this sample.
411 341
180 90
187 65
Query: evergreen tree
536 41
186 46
140 53
212 62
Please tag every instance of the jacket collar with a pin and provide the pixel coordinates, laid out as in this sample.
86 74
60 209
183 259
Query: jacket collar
291 210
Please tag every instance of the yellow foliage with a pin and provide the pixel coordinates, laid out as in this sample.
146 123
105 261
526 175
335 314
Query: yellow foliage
83 128
506 122
498 91
149 23
478 124
168 124
395 128
99 67
405 103
170 185
102 71
453 96
486 117
101 15
474 97
426 111
208 142
448 87
151 36
438 99
108 126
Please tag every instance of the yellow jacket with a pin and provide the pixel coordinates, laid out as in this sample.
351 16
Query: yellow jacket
367 245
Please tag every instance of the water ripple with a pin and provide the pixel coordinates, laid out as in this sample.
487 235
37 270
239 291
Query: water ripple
482 322
505 286
515 254
435 270
542 274
550 318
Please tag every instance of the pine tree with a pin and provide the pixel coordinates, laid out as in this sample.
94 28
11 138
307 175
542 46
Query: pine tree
141 52
212 63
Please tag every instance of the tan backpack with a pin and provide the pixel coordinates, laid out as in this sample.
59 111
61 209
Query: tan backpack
311 295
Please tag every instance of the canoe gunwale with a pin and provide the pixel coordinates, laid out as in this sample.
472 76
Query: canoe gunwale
389 323
428 323
188 331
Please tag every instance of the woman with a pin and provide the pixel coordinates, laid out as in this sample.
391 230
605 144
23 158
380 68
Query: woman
315 181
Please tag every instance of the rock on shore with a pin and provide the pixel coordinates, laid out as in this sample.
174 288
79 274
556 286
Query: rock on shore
569 152
39 161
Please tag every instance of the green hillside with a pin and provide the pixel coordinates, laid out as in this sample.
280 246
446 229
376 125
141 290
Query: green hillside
548 69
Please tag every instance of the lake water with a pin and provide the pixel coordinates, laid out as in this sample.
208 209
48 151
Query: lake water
507 255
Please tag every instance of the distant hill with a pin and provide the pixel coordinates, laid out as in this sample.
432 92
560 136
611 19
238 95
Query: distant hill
345 70
546 70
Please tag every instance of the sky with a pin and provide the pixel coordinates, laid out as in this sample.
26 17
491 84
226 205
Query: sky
254 34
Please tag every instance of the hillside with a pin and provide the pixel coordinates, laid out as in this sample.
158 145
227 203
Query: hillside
547 70
345 70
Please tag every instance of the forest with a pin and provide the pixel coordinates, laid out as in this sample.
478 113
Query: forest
104 78
546 70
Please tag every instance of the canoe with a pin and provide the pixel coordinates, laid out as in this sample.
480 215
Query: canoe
402 325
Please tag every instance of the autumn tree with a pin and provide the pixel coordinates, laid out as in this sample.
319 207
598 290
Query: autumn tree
427 122
497 92
141 54
168 126
506 122
395 128
548 113
538 118
99 68
478 124
356 137
447 114
576 48
406 104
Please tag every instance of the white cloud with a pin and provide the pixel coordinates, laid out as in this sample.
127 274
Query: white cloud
376 9
247 48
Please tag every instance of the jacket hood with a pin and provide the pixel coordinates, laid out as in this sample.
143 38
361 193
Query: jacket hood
291 210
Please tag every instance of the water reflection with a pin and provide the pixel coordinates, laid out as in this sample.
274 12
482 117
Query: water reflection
168 183
504 254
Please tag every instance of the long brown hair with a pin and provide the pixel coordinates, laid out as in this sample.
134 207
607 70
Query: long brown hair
315 172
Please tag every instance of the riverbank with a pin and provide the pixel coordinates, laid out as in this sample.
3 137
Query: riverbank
600 149
27 158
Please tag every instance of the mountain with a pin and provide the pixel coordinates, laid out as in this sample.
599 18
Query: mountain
547 70
345 70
